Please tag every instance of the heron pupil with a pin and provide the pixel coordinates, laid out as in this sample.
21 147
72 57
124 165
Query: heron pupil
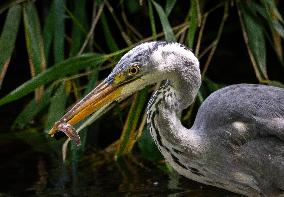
133 70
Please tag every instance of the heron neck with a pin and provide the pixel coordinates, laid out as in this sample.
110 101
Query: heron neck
164 108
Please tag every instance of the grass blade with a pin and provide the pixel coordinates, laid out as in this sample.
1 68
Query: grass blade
277 41
95 19
110 41
270 5
254 38
34 39
34 42
128 136
59 28
276 84
48 30
31 110
8 38
169 34
275 22
57 106
148 147
69 66
194 21
152 20
273 16
79 26
170 4
7 4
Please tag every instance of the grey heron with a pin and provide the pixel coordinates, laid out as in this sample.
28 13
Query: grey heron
237 139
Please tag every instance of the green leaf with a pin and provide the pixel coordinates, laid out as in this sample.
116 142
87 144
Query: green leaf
273 16
59 28
8 38
276 84
129 134
170 4
32 109
255 39
270 7
79 26
69 66
34 43
279 28
193 22
54 30
34 39
148 147
48 30
7 4
270 12
169 34
152 20
110 41
57 106
93 78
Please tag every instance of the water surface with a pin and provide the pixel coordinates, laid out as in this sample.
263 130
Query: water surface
28 172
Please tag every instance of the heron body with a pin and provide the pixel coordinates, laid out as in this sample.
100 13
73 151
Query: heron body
237 139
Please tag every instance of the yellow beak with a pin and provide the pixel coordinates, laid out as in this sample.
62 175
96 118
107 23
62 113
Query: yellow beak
102 95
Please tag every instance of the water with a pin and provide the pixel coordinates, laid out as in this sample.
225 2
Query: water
28 172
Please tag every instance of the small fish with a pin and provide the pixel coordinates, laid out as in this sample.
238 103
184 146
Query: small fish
68 130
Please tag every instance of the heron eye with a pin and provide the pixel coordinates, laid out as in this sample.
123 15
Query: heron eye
133 70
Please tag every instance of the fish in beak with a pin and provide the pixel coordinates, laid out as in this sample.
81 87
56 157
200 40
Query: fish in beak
104 94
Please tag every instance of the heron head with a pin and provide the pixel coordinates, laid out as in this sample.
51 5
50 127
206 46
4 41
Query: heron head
149 63
135 70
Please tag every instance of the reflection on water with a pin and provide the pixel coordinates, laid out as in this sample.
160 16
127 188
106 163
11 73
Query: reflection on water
25 172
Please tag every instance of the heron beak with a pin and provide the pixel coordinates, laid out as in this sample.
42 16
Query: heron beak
104 94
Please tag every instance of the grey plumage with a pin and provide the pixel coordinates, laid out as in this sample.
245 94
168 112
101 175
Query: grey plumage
243 127
236 142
